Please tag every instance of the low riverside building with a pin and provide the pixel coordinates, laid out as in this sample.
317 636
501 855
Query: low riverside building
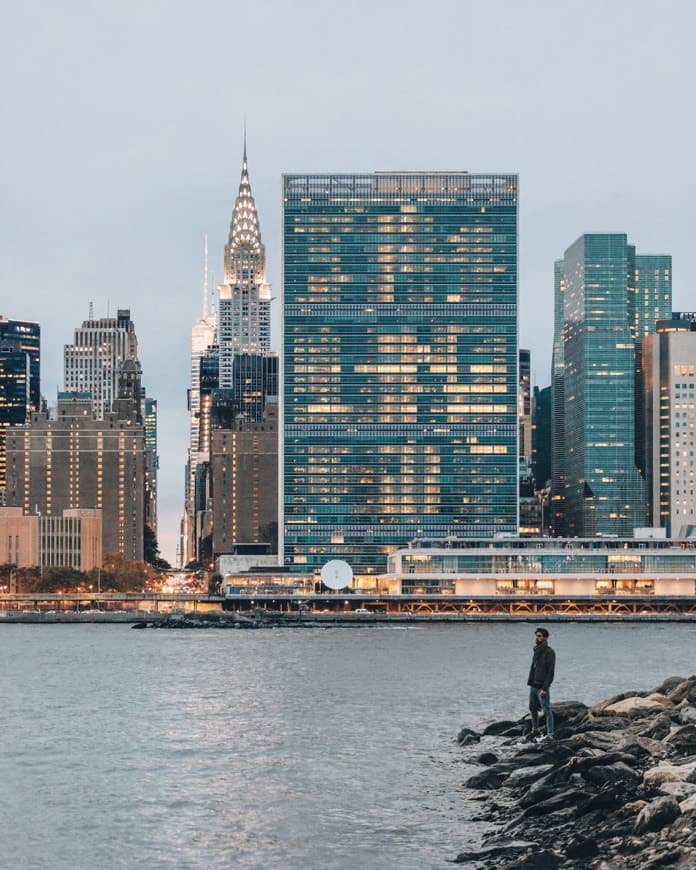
567 567
72 539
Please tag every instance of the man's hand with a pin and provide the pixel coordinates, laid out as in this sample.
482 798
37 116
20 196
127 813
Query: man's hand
543 693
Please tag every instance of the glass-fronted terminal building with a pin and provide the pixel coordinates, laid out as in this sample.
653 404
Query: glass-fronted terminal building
400 362
569 567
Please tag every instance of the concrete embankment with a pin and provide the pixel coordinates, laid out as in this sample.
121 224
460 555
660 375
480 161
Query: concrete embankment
615 789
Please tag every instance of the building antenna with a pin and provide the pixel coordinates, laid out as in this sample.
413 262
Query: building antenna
206 284
91 310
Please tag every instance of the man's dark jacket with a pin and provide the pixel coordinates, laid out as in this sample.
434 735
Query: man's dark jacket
543 666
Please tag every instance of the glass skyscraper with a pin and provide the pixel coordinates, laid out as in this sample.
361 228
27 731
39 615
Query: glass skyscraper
607 298
400 362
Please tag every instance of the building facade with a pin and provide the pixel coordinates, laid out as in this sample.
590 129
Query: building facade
568 568
71 540
400 362
93 361
20 388
244 471
669 367
75 462
597 488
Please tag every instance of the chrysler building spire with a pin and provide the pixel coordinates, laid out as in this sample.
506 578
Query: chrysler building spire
244 249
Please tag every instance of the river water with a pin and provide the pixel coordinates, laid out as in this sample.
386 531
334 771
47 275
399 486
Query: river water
288 748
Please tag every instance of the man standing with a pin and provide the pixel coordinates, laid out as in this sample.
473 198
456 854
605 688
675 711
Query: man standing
539 682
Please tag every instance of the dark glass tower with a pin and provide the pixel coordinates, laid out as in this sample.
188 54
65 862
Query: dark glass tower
400 362
606 299
20 388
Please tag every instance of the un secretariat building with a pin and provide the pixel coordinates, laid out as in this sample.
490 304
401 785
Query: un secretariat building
400 362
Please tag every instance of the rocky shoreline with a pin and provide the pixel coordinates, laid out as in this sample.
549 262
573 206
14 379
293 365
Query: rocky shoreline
615 789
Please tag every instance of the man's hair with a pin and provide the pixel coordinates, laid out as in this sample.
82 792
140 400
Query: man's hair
543 631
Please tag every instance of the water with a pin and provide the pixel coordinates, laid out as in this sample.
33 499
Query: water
294 748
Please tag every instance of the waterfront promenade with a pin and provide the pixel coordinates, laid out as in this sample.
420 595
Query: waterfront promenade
347 608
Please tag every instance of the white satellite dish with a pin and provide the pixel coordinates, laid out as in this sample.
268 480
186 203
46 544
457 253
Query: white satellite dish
336 574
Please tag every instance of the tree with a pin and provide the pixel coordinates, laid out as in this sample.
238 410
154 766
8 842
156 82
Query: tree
214 583
269 534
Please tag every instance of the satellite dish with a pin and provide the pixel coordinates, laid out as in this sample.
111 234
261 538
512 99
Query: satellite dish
336 574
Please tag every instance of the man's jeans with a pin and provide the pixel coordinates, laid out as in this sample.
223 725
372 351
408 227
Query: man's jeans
537 702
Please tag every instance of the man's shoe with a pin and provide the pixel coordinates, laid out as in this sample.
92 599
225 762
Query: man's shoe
549 739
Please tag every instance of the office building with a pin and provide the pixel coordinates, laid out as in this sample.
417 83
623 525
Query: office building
75 462
669 366
524 406
92 363
244 472
597 488
400 362
72 539
244 297
20 390
234 374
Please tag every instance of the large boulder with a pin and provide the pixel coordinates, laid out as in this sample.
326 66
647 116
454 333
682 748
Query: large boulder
568 711
490 778
683 741
467 736
655 776
688 806
658 728
636 706
612 773
686 690
680 790
528 775
657 814
666 686
504 727
598 709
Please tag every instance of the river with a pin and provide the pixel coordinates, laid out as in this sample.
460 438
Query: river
289 748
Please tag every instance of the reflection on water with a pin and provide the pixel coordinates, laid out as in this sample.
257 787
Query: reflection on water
280 748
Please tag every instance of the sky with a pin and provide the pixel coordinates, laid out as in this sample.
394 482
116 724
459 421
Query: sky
121 129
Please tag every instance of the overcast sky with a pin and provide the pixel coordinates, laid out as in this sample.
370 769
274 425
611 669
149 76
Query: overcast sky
121 139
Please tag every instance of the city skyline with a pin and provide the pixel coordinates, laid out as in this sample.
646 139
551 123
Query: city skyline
116 209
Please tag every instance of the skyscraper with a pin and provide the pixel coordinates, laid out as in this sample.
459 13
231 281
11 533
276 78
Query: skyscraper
92 363
75 462
244 298
20 390
233 375
669 366
597 488
400 362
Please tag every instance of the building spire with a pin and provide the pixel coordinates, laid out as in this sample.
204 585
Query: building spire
245 231
206 284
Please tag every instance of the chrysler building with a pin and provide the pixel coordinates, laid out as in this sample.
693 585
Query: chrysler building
244 299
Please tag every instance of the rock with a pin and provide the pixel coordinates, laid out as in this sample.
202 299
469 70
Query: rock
687 715
490 778
655 776
581 847
685 690
680 790
528 775
544 860
657 814
688 806
658 729
499 850
566 711
611 773
486 758
636 706
467 736
598 709
568 798
642 747
501 727
602 723
666 686
635 806
683 741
